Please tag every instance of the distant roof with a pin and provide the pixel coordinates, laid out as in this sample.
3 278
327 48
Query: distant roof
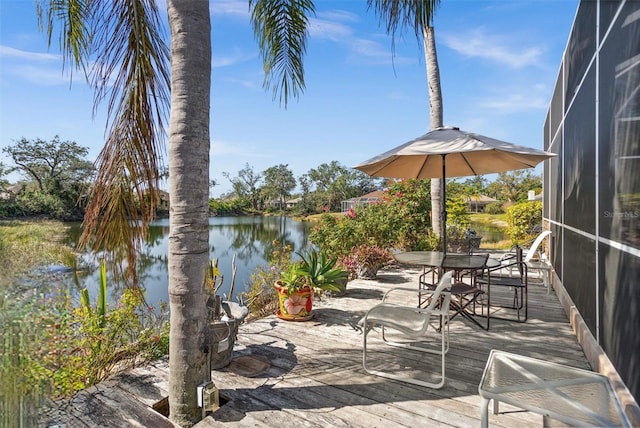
373 196
16 188
480 198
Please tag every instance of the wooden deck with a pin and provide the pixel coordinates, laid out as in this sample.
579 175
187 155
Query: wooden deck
309 374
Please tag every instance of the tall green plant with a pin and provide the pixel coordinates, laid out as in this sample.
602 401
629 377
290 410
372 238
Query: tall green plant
101 304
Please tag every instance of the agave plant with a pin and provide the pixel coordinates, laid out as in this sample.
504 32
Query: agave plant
320 272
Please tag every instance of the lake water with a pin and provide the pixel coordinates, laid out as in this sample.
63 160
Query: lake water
490 233
250 238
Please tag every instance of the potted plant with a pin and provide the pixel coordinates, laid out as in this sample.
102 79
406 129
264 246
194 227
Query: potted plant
300 280
323 273
369 258
295 295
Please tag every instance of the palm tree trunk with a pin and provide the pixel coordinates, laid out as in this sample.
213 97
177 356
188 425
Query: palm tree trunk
189 189
435 121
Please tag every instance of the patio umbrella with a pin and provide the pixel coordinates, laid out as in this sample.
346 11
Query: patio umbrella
449 152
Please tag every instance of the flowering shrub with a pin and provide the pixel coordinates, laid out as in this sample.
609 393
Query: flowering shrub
348 263
400 220
370 255
351 213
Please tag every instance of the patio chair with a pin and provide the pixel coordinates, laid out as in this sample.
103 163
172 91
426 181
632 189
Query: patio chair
518 283
469 299
533 259
412 322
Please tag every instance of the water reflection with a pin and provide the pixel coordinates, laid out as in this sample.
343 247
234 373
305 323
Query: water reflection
490 233
250 238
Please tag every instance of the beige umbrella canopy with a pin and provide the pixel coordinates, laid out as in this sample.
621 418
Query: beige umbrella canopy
449 152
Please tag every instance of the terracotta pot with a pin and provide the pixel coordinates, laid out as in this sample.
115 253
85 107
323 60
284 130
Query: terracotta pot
296 306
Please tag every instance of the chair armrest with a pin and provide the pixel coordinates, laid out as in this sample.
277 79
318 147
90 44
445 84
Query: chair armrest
514 264
412 291
539 264
508 256
440 311
445 295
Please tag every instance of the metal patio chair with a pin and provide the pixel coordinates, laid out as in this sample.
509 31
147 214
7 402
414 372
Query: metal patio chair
533 259
413 323
516 280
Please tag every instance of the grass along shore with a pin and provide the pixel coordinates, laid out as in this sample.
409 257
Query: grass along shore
26 245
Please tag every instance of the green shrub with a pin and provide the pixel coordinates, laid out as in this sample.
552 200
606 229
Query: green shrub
401 220
50 347
494 208
524 220
234 206
458 213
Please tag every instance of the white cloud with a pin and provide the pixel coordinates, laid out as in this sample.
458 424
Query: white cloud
230 7
339 15
41 76
516 102
362 50
329 30
246 83
516 97
399 96
477 43
9 52
227 60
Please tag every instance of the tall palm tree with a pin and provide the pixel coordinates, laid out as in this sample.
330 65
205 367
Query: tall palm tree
418 15
190 26
120 48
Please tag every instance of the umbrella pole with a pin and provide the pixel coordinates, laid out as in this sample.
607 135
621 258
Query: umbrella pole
443 207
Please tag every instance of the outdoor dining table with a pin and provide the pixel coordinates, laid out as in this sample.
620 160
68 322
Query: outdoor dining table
449 261
434 262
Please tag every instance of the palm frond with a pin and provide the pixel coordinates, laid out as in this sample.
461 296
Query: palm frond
132 72
281 28
399 15
75 34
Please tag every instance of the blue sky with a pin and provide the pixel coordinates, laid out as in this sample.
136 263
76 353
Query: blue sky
498 62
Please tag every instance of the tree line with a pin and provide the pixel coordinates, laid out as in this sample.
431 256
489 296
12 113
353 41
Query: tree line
56 177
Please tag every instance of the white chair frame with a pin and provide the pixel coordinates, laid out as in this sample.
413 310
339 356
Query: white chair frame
545 269
383 313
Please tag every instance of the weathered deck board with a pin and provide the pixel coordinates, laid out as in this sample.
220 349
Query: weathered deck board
314 376
322 359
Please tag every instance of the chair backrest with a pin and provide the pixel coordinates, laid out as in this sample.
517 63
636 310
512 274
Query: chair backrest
443 285
520 261
534 247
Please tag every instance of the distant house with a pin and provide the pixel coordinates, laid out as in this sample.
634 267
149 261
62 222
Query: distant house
477 203
372 197
531 196
274 204
12 191
291 203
